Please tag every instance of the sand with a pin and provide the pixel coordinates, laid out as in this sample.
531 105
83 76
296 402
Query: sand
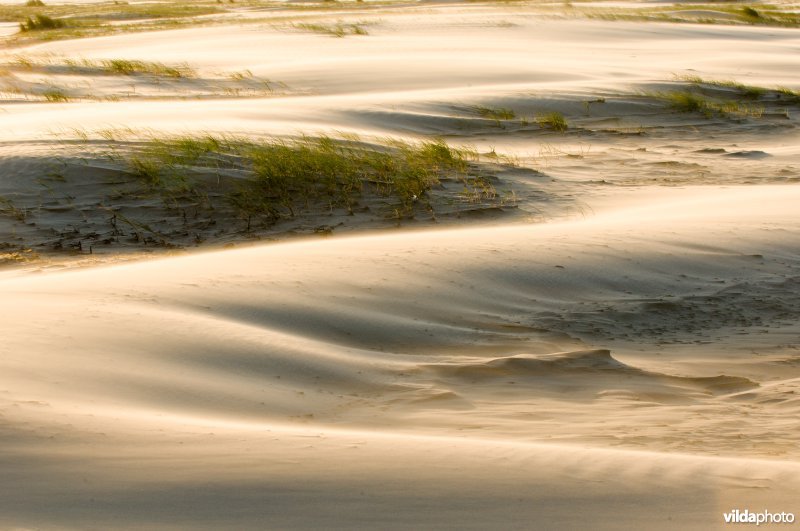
615 348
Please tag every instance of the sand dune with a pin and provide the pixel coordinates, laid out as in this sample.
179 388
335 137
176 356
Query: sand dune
608 340
369 342
411 77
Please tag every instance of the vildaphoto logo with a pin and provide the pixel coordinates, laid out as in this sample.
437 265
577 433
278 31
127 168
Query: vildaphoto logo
764 517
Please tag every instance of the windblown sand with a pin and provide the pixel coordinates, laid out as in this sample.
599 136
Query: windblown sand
618 348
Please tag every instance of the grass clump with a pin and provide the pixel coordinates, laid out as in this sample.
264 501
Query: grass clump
715 13
55 95
241 75
495 113
18 257
336 30
22 61
687 101
278 178
34 3
7 208
739 109
554 121
64 21
750 12
323 169
748 91
131 67
126 67
39 23
787 93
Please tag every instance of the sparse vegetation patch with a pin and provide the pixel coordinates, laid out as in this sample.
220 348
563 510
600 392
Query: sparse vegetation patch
18 257
55 95
62 21
715 13
130 67
553 120
495 113
726 97
335 30
691 101
16 81
792 95
748 91
750 12
279 178
8 208
40 23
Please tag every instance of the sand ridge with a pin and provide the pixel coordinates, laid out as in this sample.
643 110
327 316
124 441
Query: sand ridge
260 341
613 345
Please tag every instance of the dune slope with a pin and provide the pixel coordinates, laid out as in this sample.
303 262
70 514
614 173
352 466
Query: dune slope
262 377
604 335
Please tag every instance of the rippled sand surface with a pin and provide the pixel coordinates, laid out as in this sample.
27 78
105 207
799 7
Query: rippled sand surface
614 345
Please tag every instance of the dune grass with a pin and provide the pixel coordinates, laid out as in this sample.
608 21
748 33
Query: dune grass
7 208
40 23
112 17
684 101
22 256
110 10
792 95
748 91
751 92
703 95
713 13
130 67
126 67
336 30
144 73
278 178
55 95
495 113
554 121
64 21
750 12
692 101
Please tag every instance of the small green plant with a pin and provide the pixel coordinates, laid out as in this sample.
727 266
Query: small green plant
750 12
55 95
75 20
686 101
791 95
21 256
130 67
554 121
23 62
717 13
40 22
739 109
335 30
34 3
148 169
748 91
241 75
8 208
496 114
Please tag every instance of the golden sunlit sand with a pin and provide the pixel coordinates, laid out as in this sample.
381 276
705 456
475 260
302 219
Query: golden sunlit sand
399 266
